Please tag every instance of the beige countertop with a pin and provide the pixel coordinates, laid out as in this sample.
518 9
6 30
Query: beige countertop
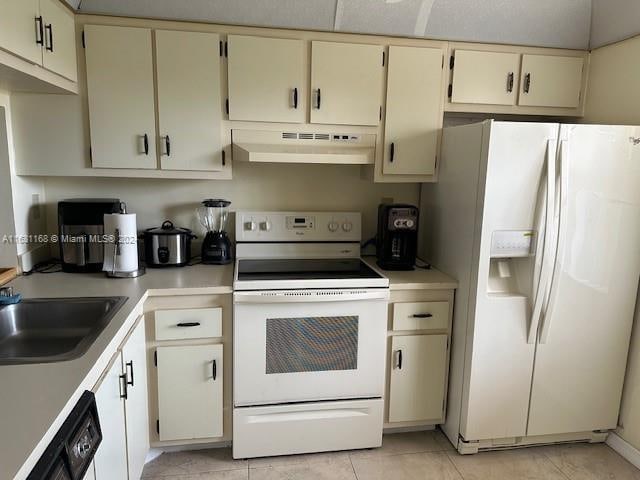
36 398
418 279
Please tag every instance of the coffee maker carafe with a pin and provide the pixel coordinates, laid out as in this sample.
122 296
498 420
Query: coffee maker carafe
216 247
397 239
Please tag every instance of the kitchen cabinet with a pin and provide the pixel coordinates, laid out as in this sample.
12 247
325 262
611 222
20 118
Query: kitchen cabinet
59 54
485 77
346 83
41 32
551 81
188 80
111 457
121 97
267 79
190 380
418 377
414 110
22 29
121 399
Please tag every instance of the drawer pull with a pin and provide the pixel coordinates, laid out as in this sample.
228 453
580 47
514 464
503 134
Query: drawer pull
214 370
188 324
399 360
421 315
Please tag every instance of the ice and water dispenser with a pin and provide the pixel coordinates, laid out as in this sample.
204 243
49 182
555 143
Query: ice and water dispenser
512 263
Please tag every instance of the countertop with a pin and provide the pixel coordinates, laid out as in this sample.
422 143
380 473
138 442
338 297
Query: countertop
37 397
417 279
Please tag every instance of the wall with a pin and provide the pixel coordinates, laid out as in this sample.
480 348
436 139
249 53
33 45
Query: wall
254 186
613 97
25 219
614 20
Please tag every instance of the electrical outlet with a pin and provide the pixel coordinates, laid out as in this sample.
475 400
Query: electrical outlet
35 206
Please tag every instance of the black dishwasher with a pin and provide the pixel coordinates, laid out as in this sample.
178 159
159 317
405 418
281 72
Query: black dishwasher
71 451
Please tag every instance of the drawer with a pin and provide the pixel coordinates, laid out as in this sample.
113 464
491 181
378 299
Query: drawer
188 323
420 316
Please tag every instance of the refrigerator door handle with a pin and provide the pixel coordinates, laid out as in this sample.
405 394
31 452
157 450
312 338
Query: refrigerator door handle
557 245
543 282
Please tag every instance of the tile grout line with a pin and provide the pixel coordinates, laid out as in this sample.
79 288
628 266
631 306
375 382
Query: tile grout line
558 467
352 467
455 467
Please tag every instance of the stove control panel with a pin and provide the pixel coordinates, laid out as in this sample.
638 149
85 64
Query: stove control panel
298 226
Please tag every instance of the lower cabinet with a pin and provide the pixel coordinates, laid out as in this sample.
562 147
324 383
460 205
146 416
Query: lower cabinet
121 398
190 402
417 378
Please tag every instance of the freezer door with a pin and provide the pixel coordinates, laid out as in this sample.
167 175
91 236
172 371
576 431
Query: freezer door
584 334
499 358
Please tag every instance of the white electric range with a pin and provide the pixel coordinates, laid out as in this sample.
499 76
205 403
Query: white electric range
310 321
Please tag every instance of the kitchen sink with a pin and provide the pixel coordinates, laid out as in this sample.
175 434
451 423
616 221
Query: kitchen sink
53 329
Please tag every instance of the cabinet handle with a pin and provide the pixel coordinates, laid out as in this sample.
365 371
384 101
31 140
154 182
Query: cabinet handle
393 152
49 29
422 315
127 366
318 100
39 31
295 97
527 83
145 141
399 364
167 145
214 370
188 324
123 386
510 82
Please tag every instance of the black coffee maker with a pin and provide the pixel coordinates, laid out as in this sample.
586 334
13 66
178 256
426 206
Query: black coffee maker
397 239
216 247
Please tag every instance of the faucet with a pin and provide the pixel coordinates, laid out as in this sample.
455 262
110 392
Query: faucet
8 297
6 291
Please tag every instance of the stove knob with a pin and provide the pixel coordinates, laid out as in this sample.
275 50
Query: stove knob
333 226
250 226
265 226
347 226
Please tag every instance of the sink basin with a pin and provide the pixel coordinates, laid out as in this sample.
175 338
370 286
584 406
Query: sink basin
53 329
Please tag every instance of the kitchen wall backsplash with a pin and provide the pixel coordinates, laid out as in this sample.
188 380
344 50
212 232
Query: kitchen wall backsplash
254 186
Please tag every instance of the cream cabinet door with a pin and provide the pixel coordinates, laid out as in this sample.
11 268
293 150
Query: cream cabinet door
134 356
413 119
489 78
59 54
22 29
551 81
267 79
418 375
189 100
111 457
122 118
190 391
346 83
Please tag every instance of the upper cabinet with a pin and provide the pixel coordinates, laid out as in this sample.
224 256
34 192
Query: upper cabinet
189 100
551 81
346 83
38 33
121 97
413 116
59 54
485 77
267 79
516 80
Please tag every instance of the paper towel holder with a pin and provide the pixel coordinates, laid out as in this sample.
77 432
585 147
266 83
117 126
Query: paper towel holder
113 273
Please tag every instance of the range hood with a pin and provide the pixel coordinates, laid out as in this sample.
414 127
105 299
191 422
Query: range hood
303 147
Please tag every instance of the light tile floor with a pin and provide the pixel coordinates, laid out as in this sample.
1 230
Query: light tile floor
403 456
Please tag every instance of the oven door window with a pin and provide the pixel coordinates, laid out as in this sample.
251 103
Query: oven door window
311 344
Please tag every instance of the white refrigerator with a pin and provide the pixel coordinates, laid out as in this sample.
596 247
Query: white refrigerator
540 224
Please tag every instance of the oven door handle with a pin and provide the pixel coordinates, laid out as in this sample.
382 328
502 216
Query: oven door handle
307 296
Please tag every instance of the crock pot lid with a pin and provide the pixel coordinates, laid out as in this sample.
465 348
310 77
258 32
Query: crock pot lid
167 228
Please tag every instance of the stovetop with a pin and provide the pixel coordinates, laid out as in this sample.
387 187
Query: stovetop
305 269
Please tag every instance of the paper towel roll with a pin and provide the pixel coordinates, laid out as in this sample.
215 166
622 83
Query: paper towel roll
122 237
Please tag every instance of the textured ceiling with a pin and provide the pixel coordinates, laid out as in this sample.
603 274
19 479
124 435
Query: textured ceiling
614 20
552 23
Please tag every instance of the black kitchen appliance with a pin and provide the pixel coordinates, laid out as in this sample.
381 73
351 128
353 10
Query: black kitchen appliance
216 247
80 230
72 449
397 239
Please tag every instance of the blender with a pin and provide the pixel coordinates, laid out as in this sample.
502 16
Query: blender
216 247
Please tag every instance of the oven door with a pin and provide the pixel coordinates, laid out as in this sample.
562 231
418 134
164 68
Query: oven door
308 345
